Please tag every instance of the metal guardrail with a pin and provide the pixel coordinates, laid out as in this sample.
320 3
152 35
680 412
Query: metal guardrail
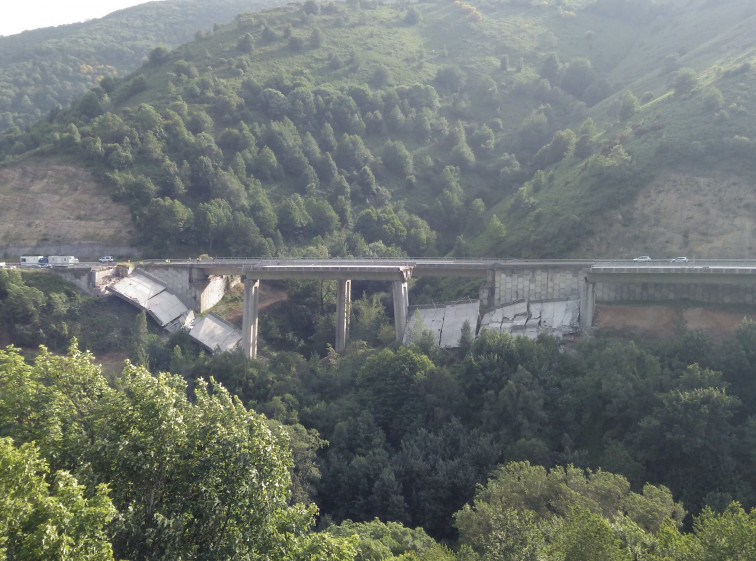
355 260
250 263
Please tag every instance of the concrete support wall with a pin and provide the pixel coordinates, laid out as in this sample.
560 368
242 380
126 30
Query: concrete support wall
209 291
487 292
80 278
249 317
97 277
197 290
401 308
521 283
651 292
89 281
343 309
542 283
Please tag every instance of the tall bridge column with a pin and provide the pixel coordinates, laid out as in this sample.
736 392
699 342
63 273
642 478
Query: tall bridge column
487 292
587 304
249 317
343 309
401 307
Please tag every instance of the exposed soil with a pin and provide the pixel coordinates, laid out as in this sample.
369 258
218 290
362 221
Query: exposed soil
663 322
112 363
269 295
48 204
681 214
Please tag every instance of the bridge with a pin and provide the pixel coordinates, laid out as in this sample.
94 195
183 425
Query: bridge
502 281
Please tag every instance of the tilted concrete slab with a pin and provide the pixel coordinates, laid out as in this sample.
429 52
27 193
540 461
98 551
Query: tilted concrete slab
444 322
148 293
557 315
424 319
455 317
503 317
214 333
137 288
165 308
529 319
186 321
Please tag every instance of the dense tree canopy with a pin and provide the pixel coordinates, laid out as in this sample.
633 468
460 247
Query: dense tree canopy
201 478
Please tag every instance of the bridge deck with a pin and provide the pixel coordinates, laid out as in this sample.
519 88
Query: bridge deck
700 272
360 269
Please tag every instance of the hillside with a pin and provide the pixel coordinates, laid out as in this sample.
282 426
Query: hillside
45 69
699 215
55 207
493 128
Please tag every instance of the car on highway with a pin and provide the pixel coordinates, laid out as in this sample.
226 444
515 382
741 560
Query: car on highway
106 259
642 258
679 260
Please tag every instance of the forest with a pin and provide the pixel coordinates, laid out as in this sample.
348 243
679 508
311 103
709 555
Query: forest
506 448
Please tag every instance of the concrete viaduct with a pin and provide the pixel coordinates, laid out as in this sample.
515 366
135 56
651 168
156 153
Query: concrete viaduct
502 281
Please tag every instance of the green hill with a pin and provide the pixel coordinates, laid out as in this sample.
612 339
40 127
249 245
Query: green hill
45 69
594 128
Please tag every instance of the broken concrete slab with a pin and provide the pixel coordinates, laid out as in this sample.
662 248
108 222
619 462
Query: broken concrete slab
443 322
214 333
531 318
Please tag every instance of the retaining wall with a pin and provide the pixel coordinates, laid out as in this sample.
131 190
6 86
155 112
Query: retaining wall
651 292
545 283
89 281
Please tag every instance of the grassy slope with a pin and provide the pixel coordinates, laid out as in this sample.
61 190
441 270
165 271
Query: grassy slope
675 185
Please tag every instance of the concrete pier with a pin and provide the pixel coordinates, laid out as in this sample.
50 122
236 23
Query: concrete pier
249 317
401 308
587 304
343 310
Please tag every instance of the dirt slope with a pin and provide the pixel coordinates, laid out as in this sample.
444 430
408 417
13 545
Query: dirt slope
50 206
681 214
660 322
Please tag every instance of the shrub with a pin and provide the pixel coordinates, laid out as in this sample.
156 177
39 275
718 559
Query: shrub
684 82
